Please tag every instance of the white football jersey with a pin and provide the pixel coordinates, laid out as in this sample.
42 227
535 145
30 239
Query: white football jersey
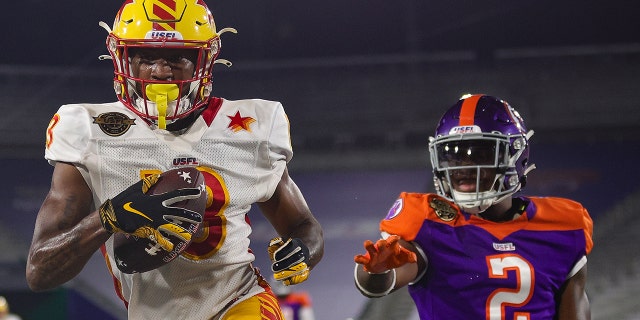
241 147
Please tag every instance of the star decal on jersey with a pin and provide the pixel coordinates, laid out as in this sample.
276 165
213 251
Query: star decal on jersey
239 122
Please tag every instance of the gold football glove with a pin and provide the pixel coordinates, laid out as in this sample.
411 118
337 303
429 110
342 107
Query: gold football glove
145 215
290 260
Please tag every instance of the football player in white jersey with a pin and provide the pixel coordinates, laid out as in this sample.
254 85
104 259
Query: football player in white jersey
163 52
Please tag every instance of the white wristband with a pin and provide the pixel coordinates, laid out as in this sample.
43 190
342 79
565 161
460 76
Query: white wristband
369 293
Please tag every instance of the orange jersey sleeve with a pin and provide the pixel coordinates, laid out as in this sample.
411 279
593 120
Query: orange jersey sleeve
410 210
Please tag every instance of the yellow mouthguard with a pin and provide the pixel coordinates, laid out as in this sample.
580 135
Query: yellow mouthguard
161 94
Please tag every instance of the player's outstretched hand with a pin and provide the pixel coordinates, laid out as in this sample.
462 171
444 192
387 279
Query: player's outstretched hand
290 260
146 215
384 255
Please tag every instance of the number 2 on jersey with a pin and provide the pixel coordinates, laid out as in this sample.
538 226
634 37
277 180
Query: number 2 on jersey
499 265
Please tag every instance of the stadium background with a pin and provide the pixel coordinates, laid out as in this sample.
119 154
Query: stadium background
363 83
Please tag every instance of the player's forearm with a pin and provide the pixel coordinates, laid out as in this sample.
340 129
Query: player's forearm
374 285
56 259
311 235
379 284
579 310
573 303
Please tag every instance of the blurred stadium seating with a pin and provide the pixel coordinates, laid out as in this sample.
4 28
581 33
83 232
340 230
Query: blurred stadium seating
360 125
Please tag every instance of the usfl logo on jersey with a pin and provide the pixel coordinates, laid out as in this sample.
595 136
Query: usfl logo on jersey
185 161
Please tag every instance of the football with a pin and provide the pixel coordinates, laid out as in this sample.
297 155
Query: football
134 254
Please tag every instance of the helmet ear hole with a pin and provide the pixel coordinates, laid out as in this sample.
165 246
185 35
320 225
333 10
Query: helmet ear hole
523 181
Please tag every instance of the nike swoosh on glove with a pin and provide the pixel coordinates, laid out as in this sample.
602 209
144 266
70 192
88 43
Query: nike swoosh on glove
136 212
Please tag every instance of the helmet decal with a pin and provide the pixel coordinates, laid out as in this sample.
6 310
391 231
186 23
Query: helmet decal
465 129
164 12
468 110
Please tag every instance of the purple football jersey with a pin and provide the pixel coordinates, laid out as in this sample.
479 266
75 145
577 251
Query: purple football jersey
493 270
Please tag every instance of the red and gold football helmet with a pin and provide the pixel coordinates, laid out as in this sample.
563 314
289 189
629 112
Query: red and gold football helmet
170 24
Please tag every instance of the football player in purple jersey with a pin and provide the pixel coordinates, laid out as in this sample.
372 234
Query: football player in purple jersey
475 249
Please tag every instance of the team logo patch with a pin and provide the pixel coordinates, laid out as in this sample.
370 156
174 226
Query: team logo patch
114 123
395 209
239 122
443 209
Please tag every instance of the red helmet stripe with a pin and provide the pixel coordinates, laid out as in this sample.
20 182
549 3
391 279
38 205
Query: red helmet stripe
169 3
164 14
468 110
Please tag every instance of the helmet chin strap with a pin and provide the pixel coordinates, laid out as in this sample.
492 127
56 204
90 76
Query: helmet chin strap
479 201
161 94
473 202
